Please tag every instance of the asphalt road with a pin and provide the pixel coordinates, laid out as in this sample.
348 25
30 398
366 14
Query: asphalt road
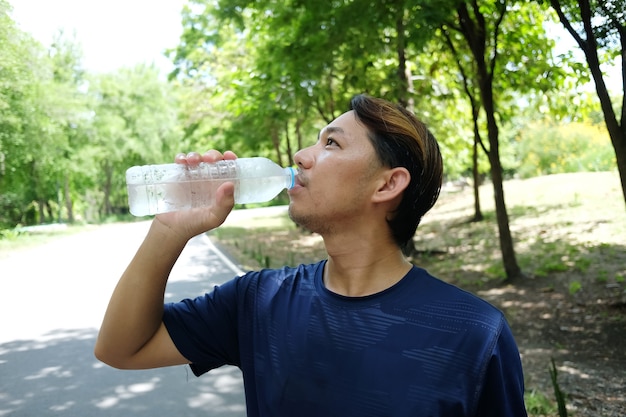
52 299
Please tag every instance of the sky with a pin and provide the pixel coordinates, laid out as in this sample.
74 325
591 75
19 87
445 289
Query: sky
123 33
113 33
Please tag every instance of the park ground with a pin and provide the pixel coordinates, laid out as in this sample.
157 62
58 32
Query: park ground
570 240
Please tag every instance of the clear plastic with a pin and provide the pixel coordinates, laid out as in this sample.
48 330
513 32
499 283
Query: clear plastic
154 189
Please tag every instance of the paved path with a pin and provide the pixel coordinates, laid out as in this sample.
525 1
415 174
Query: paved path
52 299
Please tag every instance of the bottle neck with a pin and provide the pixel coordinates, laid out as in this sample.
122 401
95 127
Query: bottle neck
290 172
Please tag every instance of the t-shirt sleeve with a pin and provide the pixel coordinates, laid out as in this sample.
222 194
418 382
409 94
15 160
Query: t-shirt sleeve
204 329
502 394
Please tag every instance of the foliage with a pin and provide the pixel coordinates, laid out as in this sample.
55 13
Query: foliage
548 148
261 78
574 287
299 62
135 122
66 137
538 404
20 116
11 209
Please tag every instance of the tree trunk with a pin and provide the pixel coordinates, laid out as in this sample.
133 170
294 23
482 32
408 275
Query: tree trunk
288 143
40 211
478 214
275 136
616 129
617 133
511 268
475 32
619 143
108 175
298 139
69 206
403 84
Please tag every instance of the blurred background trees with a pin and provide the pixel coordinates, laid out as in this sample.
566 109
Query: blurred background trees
262 77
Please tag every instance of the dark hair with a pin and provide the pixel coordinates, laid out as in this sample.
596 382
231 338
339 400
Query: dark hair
401 140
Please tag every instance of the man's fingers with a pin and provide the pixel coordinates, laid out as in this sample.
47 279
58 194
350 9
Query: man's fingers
194 158
212 156
230 155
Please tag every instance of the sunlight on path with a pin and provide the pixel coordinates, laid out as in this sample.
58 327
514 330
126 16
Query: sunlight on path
65 283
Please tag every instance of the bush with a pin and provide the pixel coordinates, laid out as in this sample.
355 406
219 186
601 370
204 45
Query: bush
11 208
545 148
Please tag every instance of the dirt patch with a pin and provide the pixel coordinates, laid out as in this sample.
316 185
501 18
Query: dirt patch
586 341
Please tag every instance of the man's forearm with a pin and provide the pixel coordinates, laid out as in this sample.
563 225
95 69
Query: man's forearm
135 310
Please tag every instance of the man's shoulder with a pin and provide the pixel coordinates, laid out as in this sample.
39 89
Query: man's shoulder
449 301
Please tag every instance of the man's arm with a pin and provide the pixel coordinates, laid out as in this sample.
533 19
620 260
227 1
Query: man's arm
503 391
132 335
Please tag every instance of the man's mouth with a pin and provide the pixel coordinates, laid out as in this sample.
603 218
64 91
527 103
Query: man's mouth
300 180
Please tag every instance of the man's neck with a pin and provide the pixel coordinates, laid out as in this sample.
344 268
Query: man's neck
363 267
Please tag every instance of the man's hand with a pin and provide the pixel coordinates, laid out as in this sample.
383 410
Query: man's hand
189 223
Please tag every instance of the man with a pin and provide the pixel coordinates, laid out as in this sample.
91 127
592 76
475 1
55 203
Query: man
363 333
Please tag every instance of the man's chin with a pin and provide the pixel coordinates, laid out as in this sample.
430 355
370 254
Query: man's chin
293 216
300 220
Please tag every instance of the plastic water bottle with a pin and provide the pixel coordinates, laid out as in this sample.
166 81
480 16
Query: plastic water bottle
154 189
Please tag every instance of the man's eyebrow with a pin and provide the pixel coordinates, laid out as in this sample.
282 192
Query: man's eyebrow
330 129
334 129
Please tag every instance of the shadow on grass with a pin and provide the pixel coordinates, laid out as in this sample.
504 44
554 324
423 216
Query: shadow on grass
468 252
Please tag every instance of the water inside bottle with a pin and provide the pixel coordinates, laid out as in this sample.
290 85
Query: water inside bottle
259 190
145 199
161 189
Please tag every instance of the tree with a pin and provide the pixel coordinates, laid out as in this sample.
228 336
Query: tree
135 122
68 112
66 137
305 59
498 66
23 66
599 29
228 99
310 55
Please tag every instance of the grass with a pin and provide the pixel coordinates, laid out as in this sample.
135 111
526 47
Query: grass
537 404
23 238
16 239
269 242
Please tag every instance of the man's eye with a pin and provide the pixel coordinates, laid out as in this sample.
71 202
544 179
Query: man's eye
330 141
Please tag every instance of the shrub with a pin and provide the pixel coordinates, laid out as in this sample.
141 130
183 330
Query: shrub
11 207
545 148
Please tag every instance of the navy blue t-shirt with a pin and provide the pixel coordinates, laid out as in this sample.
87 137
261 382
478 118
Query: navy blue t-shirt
420 348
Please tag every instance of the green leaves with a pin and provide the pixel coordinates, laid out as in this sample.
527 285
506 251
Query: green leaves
67 137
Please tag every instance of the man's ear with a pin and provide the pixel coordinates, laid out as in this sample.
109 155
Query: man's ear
391 184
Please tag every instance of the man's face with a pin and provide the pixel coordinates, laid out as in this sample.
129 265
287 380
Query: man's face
336 177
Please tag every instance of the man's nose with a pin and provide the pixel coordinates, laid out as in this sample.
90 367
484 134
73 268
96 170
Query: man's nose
304 158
